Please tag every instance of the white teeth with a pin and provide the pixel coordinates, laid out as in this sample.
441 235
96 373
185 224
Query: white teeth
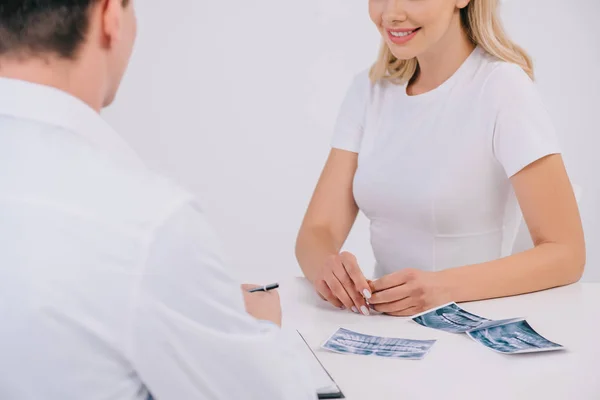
401 34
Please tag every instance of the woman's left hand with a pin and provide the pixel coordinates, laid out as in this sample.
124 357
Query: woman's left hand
408 292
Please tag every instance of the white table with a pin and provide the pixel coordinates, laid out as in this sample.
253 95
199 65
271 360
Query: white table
457 367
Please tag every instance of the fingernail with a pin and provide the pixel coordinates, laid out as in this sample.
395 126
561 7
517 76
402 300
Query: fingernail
355 310
342 307
365 310
367 294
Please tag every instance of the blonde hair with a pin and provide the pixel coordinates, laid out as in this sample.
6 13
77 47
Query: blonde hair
481 20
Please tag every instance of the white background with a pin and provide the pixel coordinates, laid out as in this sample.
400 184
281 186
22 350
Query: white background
236 100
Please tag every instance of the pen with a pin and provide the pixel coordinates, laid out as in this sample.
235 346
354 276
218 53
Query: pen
265 288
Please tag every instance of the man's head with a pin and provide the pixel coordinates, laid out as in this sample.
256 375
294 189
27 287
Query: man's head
91 37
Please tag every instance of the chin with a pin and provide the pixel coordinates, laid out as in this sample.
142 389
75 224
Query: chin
403 52
109 99
404 55
406 51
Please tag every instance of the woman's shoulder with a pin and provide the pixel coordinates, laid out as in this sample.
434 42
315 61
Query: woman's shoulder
501 81
508 75
502 75
361 83
362 78
363 87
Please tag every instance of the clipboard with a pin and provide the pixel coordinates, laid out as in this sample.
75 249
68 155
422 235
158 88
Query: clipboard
327 388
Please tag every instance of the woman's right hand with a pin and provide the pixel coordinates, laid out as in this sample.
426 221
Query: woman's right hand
342 283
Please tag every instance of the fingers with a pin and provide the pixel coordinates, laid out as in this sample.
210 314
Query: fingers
325 292
337 288
397 306
350 290
342 283
247 286
395 279
391 295
409 312
361 284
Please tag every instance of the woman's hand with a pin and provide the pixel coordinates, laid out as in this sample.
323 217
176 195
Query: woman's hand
408 292
342 283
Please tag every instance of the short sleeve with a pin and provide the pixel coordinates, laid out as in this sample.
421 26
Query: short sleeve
348 131
523 132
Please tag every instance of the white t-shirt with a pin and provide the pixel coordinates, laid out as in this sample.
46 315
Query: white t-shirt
433 169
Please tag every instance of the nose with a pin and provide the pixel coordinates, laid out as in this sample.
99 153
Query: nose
394 12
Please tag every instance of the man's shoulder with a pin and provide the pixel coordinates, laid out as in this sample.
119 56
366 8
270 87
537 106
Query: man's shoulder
134 194
149 191
73 174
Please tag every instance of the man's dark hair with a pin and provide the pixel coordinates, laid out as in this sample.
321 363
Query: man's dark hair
35 27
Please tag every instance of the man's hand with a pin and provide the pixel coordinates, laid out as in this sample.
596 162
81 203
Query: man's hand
408 292
265 306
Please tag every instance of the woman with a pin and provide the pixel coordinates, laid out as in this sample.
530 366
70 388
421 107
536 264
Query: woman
435 144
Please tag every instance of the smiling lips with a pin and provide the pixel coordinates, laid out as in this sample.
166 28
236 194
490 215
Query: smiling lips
402 36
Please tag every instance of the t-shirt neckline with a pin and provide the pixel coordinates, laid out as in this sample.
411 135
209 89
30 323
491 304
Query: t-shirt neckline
464 69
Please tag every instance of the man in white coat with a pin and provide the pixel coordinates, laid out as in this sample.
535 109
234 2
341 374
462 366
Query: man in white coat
112 284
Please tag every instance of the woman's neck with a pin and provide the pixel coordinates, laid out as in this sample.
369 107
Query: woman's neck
441 62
